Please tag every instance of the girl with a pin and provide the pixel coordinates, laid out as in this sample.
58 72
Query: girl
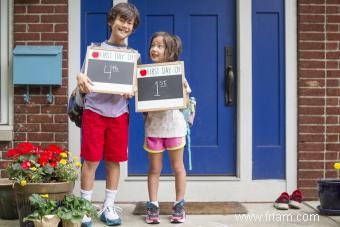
165 130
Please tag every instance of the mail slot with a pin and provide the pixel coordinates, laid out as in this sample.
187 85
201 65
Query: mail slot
37 65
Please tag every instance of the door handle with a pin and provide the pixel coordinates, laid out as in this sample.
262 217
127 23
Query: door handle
228 76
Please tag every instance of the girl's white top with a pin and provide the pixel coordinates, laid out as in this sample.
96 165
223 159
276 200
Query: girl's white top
167 123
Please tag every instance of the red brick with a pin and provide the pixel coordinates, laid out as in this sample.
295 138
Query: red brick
38 9
60 28
332 138
311 110
332 120
301 2
311 174
305 119
333 55
61 9
20 136
332 65
26 18
54 2
311 129
59 18
41 118
27 127
40 27
311 18
333 18
332 101
311 46
54 127
19 9
61 137
312 92
26 36
333 129
311 146
31 109
60 118
53 109
312 36
317 64
312 55
311 138
312 9
40 136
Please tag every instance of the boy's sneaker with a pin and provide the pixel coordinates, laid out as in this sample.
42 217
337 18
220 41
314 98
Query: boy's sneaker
109 216
178 213
282 202
295 199
152 214
86 222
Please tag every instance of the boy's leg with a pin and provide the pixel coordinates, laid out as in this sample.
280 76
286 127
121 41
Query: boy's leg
88 171
112 175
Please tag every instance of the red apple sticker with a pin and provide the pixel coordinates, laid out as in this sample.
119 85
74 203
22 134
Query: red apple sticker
95 54
142 72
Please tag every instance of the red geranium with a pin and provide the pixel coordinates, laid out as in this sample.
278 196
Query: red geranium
36 164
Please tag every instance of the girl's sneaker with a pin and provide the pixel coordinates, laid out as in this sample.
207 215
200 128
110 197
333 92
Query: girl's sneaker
152 214
178 213
295 199
86 222
282 202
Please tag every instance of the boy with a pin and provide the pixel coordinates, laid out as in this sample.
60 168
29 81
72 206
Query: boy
105 121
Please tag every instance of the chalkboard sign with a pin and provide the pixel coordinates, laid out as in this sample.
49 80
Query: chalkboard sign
160 86
111 71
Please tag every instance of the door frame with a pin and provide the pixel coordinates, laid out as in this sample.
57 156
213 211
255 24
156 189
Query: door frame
222 188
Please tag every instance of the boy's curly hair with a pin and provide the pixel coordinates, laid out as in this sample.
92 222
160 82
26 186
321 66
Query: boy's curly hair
127 11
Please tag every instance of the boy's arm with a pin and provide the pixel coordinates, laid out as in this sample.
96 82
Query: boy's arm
84 83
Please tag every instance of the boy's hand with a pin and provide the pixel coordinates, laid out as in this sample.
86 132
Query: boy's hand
84 83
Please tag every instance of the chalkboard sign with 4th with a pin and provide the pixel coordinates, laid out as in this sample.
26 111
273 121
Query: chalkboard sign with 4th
111 71
160 86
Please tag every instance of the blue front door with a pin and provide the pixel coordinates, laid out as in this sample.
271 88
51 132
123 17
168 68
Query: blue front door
206 27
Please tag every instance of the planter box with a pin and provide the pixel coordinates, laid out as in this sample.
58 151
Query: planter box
329 193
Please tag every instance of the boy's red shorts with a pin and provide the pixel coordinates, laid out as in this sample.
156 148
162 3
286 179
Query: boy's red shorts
104 138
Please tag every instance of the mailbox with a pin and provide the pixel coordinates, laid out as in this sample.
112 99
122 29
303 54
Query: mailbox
37 65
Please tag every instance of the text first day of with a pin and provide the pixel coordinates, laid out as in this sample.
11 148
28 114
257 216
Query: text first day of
111 55
162 70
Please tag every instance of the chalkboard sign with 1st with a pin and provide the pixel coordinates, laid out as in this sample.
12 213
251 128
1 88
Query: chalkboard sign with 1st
111 70
160 86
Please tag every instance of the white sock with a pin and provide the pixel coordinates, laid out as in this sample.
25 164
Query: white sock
110 196
155 203
86 194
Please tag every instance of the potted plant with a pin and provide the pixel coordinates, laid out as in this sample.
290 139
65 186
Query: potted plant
44 213
329 193
73 209
39 170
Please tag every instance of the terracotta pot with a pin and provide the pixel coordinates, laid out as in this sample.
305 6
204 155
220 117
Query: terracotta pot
69 223
56 191
47 221
8 207
329 193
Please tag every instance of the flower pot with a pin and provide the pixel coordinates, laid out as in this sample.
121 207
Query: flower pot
69 223
55 191
329 193
47 221
8 208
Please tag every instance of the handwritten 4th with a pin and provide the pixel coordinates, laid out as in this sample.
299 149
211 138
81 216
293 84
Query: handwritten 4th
109 69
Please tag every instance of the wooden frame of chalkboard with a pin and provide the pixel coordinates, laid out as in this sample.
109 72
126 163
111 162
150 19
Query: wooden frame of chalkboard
160 87
111 70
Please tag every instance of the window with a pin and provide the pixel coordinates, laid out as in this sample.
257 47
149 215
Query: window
6 88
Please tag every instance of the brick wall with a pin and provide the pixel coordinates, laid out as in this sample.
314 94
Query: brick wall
41 22
319 83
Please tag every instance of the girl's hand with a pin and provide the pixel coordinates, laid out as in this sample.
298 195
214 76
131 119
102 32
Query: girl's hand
84 83
127 95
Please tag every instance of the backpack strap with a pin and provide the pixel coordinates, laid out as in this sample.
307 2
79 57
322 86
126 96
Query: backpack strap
189 146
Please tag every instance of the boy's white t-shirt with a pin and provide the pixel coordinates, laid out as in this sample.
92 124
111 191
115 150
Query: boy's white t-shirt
167 123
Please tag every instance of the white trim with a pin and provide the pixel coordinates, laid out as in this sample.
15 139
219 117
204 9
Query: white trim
242 187
291 94
74 66
6 89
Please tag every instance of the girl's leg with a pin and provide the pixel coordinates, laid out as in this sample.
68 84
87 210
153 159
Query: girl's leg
177 165
88 171
155 169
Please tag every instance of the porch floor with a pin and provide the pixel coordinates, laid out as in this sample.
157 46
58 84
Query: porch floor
259 214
